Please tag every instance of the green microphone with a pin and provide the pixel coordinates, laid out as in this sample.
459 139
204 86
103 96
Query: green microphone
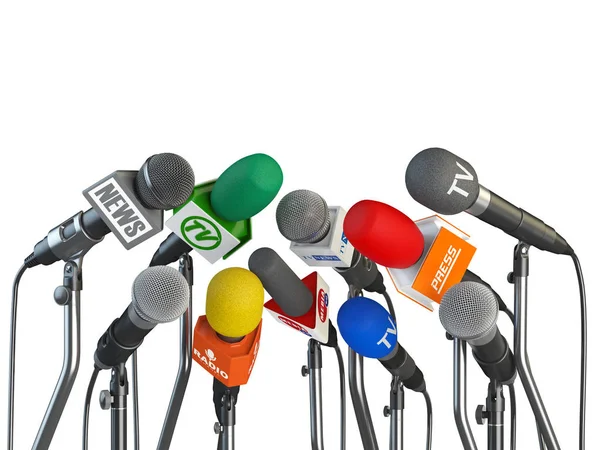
215 220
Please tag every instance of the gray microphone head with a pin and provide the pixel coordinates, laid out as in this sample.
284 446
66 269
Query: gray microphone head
469 311
280 281
442 181
165 181
303 217
160 294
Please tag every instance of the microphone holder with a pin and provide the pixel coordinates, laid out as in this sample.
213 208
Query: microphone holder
186 326
493 412
313 370
395 411
225 427
67 295
115 399
519 277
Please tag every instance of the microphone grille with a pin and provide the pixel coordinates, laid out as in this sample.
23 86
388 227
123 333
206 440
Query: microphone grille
303 216
160 294
165 181
469 310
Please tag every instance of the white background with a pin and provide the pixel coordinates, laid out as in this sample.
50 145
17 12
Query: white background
342 94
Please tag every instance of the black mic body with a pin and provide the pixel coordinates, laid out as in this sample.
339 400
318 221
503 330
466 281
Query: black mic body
149 306
469 311
448 184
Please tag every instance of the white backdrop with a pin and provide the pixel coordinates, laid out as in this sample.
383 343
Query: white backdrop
342 95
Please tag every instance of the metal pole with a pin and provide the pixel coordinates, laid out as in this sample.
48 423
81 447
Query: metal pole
494 414
68 295
356 384
225 428
186 326
396 414
313 370
519 278
118 408
460 395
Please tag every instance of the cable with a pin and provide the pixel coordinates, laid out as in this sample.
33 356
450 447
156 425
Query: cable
86 406
13 354
583 379
510 315
513 417
136 406
429 419
340 359
390 305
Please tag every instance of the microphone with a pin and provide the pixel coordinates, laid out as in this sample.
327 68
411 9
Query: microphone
447 184
370 331
314 229
216 220
226 339
128 203
299 304
159 295
317 237
469 311
423 259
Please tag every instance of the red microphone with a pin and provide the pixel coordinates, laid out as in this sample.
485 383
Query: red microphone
424 258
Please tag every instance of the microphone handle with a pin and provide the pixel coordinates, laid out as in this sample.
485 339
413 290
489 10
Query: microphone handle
403 366
496 359
170 250
121 339
500 213
93 226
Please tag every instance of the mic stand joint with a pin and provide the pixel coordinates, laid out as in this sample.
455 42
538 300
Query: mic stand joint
313 370
395 411
493 412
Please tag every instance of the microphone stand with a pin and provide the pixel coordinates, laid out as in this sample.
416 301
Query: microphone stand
460 394
313 370
186 326
395 411
519 277
225 409
356 383
69 296
116 400
494 414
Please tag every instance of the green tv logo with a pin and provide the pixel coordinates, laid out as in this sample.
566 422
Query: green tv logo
201 233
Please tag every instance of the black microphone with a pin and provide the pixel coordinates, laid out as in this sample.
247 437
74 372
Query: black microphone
159 295
122 203
447 184
370 331
469 311
287 290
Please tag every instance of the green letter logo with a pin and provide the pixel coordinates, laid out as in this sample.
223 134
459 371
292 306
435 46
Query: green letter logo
201 233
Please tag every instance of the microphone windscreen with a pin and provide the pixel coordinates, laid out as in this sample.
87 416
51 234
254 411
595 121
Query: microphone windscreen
234 302
469 310
165 181
383 234
160 294
363 323
441 181
280 281
246 187
303 217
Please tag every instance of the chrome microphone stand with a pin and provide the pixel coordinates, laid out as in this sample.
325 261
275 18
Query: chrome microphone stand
395 411
519 277
115 399
186 326
460 395
313 370
493 412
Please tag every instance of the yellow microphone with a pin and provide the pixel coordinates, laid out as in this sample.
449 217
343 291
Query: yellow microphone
226 339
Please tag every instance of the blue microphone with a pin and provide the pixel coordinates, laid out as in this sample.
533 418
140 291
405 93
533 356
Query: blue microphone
370 331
